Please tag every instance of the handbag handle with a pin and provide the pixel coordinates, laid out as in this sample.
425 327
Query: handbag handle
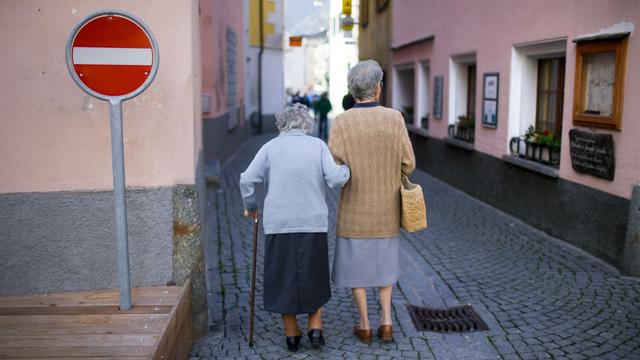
405 183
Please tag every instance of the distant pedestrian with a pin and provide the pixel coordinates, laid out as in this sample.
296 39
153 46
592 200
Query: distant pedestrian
322 107
374 142
297 168
348 101
297 99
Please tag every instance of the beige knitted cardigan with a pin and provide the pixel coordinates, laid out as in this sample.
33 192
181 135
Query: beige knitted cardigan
374 143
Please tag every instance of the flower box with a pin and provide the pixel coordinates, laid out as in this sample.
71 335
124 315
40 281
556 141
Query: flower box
536 152
462 133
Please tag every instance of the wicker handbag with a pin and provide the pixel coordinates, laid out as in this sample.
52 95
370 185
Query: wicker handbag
414 209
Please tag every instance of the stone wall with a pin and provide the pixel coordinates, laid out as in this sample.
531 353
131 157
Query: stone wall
65 241
588 218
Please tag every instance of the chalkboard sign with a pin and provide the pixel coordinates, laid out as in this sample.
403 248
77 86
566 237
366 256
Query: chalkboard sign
592 153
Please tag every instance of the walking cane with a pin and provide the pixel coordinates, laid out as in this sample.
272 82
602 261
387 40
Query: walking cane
253 276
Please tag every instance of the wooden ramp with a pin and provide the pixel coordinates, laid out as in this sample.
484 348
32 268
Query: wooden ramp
88 325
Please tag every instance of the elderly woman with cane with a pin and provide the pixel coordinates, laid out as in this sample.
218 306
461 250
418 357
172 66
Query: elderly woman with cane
295 168
374 142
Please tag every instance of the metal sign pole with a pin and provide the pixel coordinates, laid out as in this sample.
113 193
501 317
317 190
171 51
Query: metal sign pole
104 91
117 161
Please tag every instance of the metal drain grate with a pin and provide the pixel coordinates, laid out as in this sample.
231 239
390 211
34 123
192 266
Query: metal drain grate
454 319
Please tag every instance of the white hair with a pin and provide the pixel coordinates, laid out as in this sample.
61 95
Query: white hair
363 78
295 116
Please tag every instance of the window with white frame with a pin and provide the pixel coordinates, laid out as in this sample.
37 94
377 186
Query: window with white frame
404 91
423 108
462 96
536 100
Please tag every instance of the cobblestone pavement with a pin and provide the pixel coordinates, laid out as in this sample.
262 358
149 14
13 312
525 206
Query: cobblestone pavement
540 297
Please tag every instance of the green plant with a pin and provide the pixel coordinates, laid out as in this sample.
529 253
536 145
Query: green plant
466 122
544 138
548 139
530 135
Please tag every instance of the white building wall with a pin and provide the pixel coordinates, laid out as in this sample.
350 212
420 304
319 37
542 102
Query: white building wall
273 95
343 54
294 62
273 91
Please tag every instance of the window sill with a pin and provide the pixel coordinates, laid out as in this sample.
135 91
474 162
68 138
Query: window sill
418 131
532 166
459 143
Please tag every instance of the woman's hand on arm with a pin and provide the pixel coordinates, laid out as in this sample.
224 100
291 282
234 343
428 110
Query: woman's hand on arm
334 175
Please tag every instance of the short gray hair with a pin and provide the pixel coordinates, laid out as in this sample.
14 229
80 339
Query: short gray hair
295 116
363 78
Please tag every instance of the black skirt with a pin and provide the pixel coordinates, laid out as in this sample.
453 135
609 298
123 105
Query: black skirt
296 273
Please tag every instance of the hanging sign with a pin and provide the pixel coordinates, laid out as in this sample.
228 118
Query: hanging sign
346 7
295 41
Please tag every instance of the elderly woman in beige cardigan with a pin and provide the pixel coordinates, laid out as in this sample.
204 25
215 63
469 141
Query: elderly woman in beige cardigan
373 141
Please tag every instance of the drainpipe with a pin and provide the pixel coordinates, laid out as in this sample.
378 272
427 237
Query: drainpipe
260 68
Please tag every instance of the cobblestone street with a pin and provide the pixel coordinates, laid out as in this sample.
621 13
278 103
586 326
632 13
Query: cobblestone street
540 297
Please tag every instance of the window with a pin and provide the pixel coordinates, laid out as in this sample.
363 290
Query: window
462 97
471 92
536 99
404 92
364 13
598 95
550 95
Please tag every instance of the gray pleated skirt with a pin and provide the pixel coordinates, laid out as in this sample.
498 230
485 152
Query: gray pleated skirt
296 273
361 263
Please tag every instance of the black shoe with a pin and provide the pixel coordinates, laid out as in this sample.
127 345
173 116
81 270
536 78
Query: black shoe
293 342
316 338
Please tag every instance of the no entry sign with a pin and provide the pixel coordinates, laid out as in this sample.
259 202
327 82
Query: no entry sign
112 54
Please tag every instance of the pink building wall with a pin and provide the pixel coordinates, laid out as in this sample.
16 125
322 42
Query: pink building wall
213 25
491 28
55 137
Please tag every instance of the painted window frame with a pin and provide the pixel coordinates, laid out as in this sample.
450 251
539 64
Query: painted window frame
583 49
472 90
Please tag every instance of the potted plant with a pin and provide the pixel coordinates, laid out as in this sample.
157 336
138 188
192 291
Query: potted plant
542 146
530 139
549 147
465 128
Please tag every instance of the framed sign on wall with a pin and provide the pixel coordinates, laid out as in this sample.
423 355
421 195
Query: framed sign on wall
490 91
438 85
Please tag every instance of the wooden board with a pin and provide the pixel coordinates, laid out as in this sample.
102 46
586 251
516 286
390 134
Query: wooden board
83 324
79 310
171 339
142 296
88 324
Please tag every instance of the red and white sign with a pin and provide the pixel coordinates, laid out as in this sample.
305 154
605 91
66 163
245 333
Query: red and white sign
112 55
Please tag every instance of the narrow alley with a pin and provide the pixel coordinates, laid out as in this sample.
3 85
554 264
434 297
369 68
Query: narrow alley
540 297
